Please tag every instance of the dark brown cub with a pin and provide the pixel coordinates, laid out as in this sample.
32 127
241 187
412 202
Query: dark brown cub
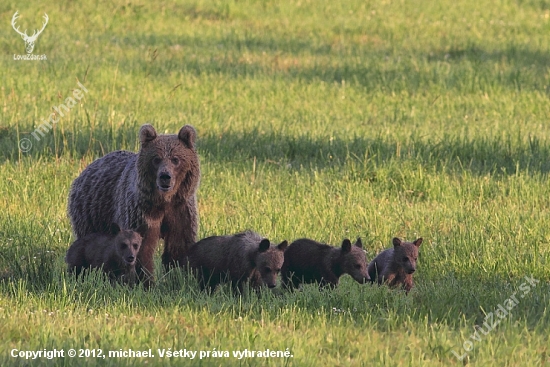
237 259
308 261
114 252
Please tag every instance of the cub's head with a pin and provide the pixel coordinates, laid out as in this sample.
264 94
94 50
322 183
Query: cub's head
168 163
354 260
269 261
405 254
127 243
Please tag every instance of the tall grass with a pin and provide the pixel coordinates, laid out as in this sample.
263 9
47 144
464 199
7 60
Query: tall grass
315 119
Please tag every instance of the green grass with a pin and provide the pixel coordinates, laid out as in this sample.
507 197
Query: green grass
315 119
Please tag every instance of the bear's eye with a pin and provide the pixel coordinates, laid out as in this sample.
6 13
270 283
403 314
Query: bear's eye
267 270
123 246
357 266
175 161
157 161
135 246
405 259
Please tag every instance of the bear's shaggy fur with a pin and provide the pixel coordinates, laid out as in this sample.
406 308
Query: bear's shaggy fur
156 186
395 266
115 253
236 258
308 261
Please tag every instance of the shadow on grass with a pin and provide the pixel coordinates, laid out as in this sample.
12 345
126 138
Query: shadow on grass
514 55
468 68
479 156
472 67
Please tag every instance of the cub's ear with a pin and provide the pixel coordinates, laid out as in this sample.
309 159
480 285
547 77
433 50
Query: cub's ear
114 229
396 242
283 245
147 133
188 135
142 229
358 243
418 242
264 245
346 246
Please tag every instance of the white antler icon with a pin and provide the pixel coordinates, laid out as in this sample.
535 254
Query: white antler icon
29 40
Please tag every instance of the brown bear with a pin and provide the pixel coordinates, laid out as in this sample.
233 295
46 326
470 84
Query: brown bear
114 252
156 186
308 261
395 266
236 258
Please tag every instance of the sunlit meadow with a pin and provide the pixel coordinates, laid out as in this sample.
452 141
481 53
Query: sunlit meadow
319 119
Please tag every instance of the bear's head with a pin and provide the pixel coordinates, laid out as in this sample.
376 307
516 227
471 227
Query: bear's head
168 164
127 243
354 261
405 254
269 261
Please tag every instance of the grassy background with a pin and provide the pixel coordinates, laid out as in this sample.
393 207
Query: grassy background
315 118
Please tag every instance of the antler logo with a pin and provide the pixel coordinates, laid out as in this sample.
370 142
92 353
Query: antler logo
29 40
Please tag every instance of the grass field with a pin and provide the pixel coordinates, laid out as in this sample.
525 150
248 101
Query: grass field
317 119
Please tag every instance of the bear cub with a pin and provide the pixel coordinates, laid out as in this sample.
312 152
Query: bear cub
115 253
395 266
236 258
308 261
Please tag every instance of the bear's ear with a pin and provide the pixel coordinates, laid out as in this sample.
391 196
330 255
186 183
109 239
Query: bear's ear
418 242
396 242
358 243
147 133
142 229
188 135
346 246
283 245
264 245
114 229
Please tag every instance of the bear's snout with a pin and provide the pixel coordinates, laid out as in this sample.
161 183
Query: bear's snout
411 270
271 285
164 181
130 259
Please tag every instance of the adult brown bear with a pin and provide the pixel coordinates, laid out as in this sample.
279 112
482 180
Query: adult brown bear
156 186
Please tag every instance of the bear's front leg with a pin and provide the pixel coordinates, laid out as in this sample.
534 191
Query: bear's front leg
180 233
145 263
